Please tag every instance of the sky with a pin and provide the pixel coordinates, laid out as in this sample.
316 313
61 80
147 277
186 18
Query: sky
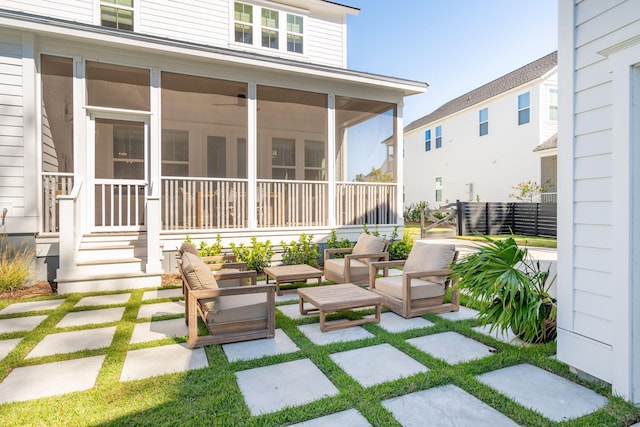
453 45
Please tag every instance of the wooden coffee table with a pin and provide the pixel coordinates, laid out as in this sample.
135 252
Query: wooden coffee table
292 273
332 298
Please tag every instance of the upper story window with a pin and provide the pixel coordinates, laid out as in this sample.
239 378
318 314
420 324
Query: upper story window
294 33
243 17
427 140
484 121
117 14
524 108
270 28
553 103
438 136
276 29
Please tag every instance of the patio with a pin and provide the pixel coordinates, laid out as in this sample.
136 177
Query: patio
120 357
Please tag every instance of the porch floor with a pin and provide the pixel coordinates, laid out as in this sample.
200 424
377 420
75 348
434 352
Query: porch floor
270 388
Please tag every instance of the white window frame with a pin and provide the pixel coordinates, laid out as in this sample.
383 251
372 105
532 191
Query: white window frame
528 107
257 27
551 106
97 15
481 122
427 140
438 186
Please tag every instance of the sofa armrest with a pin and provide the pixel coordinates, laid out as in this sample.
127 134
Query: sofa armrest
333 251
237 265
384 256
222 276
426 273
374 266
219 259
235 290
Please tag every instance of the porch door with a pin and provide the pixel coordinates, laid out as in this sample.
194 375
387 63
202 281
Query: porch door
120 173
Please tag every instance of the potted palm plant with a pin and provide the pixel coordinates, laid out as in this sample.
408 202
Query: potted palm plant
510 288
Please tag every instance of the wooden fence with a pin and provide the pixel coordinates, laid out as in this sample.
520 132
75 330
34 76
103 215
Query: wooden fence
529 219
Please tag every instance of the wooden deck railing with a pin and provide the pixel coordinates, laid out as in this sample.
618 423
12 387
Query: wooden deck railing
291 203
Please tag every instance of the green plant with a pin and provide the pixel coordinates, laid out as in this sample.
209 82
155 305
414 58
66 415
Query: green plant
302 251
333 242
16 265
204 249
528 191
399 249
510 288
257 256
412 212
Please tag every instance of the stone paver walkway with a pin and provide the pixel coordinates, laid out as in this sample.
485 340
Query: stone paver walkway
271 388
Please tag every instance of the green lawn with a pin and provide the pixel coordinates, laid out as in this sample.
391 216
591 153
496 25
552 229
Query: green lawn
541 242
211 396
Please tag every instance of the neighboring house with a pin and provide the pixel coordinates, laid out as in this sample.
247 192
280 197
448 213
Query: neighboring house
599 207
479 145
127 126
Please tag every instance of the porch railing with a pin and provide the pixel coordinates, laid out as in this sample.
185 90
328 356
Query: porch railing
203 203
119 204
291 203
370 203
54 184
549 197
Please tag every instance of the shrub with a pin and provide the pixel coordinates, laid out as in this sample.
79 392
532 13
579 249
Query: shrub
399 249
15 265
412 212
303 251
213 249
334 243
257 256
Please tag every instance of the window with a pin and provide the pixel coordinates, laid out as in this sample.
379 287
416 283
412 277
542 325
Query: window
553 103
438 136
484 121
117 14
524 109
270 28
283 158
439 189
243 16
427 140
314 160
216 157
175 152
294 33
128 150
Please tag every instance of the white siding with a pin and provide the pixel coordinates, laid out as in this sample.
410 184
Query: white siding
492 163
69 10
190 20
11 125
594 245
325 42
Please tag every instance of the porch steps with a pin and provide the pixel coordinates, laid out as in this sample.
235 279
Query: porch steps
107 262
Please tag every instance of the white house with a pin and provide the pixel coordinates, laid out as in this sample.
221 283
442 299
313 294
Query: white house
479 145
599 207
126 126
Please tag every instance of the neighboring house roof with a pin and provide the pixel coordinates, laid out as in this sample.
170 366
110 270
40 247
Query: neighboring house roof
505 83
548 144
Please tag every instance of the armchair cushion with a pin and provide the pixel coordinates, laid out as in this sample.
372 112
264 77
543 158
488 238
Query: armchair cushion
369 244
429 257
392 286
336 266
200 278
187 247
234 308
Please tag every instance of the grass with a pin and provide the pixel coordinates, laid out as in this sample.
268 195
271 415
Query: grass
211 396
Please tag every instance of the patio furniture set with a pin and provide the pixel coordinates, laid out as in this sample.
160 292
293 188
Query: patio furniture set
233 307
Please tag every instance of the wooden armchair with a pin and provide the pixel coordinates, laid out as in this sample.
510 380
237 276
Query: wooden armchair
423 284
231 310
354 267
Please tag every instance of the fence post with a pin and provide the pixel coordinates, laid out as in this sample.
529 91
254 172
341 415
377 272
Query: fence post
460 218
486 218
537 215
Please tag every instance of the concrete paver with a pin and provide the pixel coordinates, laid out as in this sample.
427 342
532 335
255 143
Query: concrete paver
166 359
463 313
313 332
553 396
451 347
161 309
377 364
158 330
113 299
393 323
69 342
444 406
7 345
162 293
50 379
20 324
272 388
351 418
508 336
91 317
255 349
24 307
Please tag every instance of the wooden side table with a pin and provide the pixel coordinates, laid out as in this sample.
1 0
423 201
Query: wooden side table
292 273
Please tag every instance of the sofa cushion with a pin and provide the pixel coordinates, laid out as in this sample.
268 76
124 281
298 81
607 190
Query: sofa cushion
369 244
187 247
336 266
233 308
428 257
200 278
420 288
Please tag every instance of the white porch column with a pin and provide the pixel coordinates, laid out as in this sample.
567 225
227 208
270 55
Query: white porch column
398 153
252 153
153 217
330 161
